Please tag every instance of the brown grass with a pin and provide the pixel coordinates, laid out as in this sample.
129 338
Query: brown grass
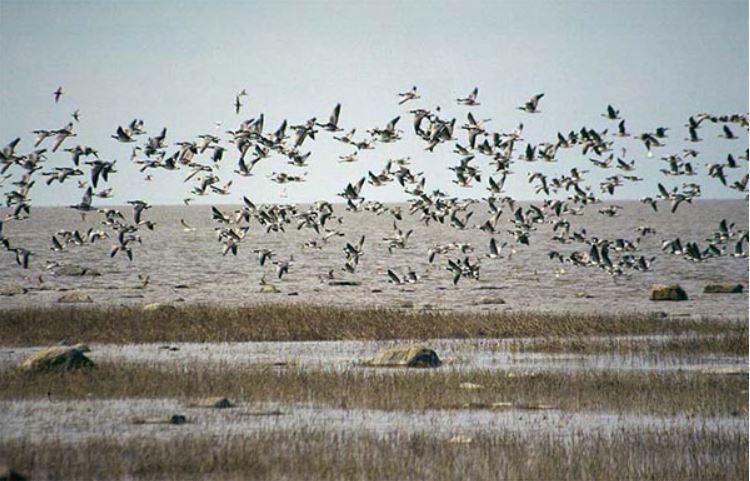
669 454
734 343
641 392
302 322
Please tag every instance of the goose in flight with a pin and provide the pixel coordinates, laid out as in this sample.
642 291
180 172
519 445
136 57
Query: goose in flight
727 133
495 251
22 256
57 94
408 95
282 267
138 207
186 227
333 121
85 204
611 113
532 105
263 255
121 135
471 99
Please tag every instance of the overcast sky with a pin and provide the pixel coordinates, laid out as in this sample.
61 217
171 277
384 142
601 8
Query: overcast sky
180 64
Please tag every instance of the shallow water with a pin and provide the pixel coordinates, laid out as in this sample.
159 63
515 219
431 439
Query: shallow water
527 280
75 421
458 354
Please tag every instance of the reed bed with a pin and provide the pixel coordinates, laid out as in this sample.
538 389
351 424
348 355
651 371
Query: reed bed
732 343
304 322
395 389
304 454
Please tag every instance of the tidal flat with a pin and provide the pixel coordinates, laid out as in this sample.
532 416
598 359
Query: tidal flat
518 395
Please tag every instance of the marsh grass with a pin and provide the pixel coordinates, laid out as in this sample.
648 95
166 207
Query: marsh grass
732 343
394 389
306 454
304 322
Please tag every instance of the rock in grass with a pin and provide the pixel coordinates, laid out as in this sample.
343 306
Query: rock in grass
214 402
75 297
723 288
12 290
173 419
58 358
343 283
74 270
158 307
491 300
668 292
8 474
406 356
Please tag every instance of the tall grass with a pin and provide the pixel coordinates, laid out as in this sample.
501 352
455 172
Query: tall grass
305 454
303 322
642 392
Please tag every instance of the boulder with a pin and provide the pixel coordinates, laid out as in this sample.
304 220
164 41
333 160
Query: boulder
406 356
58 358
491 300
343 282
723 288
668 292
75 297
214 402
74 270
9 474
173 419
158 307
12 290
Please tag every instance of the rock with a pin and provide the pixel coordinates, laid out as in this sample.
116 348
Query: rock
723 288
214 402
9 474
173 419
337 282
423 307
12 290
158 307
269 289
461 439
406 356
74 270
82 347
491 300
668 292
75 297
58 358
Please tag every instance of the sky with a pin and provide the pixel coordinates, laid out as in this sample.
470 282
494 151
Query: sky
180 64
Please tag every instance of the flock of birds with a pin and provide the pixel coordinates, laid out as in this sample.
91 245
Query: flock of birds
199 160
